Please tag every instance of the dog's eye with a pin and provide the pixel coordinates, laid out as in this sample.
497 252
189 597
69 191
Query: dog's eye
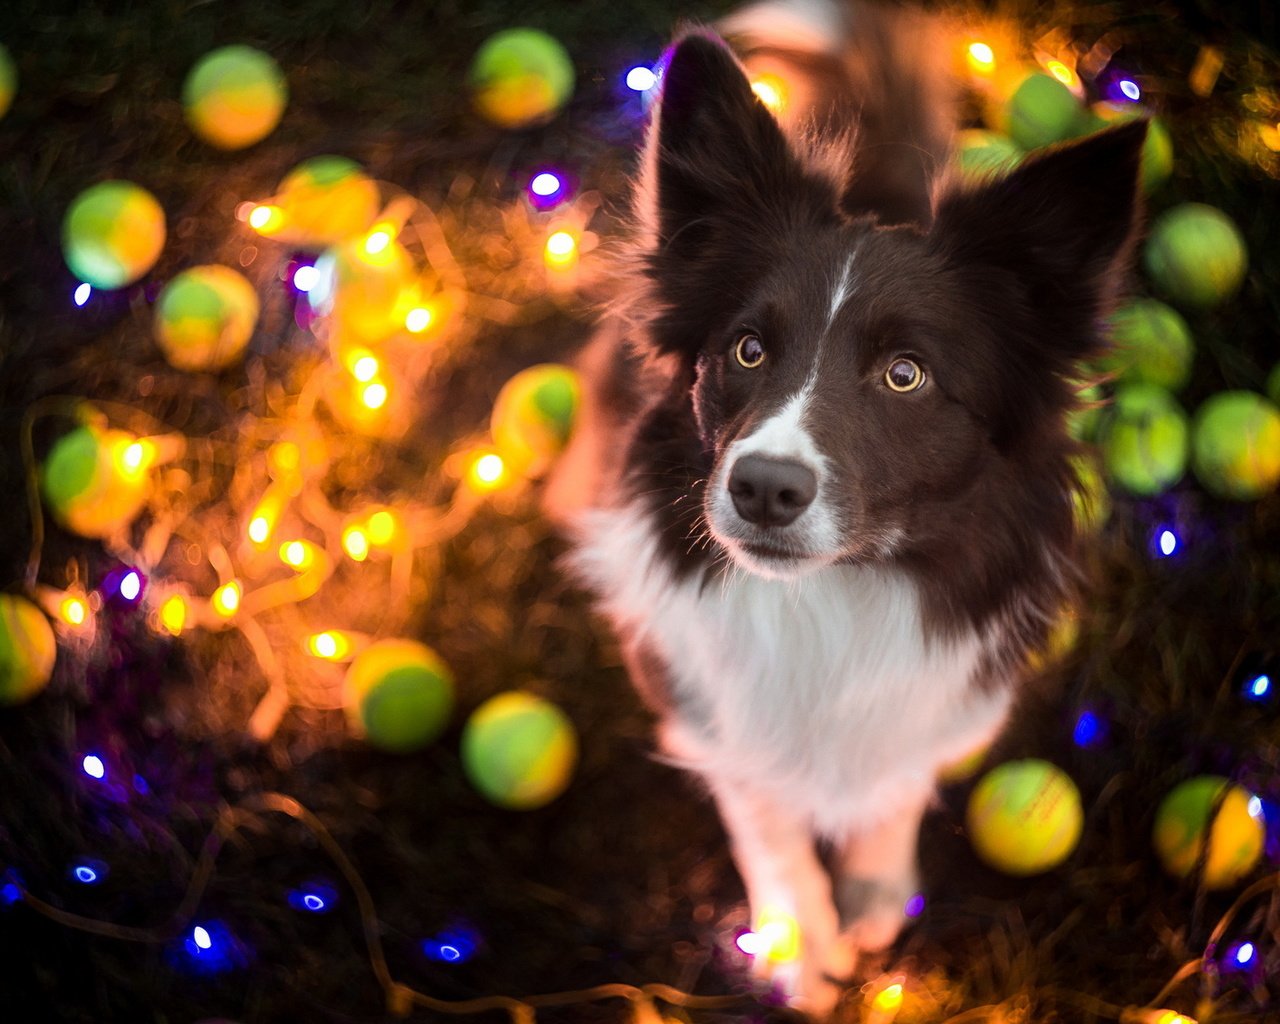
904 375
749 351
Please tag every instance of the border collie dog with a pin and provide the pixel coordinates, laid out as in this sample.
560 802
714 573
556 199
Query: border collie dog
821 483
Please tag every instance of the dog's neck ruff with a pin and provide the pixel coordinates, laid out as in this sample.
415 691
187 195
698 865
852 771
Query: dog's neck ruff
824 690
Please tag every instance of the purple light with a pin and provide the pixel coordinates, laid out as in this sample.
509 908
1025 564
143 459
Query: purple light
82 293
751 943
547 188
641 78
544 184
306 277
131 585
915 906
93 766
1244 954
1130 89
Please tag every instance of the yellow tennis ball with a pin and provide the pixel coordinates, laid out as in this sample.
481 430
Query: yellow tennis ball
1235 839
204 318
399 694
112 234
1025 817
325 200
1145 439
27 649
533 416
234 96
520 77
1196 255
364 288
519 750
95 481
1235 445
8 80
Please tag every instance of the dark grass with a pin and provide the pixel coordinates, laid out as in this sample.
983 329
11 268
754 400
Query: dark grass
625 878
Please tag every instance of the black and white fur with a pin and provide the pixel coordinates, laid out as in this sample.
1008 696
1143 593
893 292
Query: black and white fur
827 588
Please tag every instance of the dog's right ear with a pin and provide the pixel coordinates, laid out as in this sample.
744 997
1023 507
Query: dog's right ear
719 183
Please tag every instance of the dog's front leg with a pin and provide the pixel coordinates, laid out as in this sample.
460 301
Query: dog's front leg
773 848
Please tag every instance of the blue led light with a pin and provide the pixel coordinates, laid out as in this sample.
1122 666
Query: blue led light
1130 89
93 766
453 946
313 897
82 293
210 948
1244 954
1258 687
914 906
641 78
1090 729
1167 543
87 874
10 893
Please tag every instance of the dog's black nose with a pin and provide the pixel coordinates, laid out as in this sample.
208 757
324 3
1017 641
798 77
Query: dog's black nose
771 492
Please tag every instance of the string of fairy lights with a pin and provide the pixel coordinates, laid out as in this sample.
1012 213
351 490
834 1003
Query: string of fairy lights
372 275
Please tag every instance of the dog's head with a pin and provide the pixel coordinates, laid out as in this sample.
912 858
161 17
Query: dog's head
864 392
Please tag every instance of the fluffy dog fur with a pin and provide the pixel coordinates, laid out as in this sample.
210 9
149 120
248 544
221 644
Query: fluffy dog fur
825 583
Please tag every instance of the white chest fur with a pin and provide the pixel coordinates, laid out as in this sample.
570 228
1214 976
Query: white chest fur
822 691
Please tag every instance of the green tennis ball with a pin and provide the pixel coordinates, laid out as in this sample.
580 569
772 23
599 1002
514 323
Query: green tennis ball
8 80
1152 344
1025 817
520 77
27 649
1235 839
1196 255
1042 111
1157 151
112 234
95 481
1235 445
1144 439
981 154
234 96
533 416
204 318
399 693
324 201
519 750
1083 419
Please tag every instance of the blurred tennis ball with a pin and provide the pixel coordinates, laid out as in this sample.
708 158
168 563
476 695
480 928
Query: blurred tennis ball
1196 255
8 80
1157 151
204 318
1235 445
519 750
399 694
520 77
533 416
1235 839
1025 817
1144 439
234 96
1151 343
982 154
27 649
112 234
325 200
95 480
1042 111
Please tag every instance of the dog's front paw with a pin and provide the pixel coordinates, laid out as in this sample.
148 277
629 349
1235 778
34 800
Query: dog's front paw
872 912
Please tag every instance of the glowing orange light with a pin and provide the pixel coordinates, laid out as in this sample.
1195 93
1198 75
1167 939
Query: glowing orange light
374 396
418 319
1063 73
488 471
329 645
561 249
297 553
381 527
1172 1017
259 529
355 542
889 999
284 457
771 90
266 218
173 614
365 368
981 58
73 611
226 599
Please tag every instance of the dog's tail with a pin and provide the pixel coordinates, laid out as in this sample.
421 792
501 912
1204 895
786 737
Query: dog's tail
884 67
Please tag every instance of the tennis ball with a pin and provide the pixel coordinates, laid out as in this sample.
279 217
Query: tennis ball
324 201
1235 445
399 694
94 481
1042 111
982 154
1025 817
27 649
519 750
1151 343
533 416
1195 255
520 77
112 234
1084 417
234 96
1157 151
365 292
1235 838
1144 439
8 80
204 318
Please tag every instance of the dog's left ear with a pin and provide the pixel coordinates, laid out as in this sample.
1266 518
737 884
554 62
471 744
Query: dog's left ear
1046 246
